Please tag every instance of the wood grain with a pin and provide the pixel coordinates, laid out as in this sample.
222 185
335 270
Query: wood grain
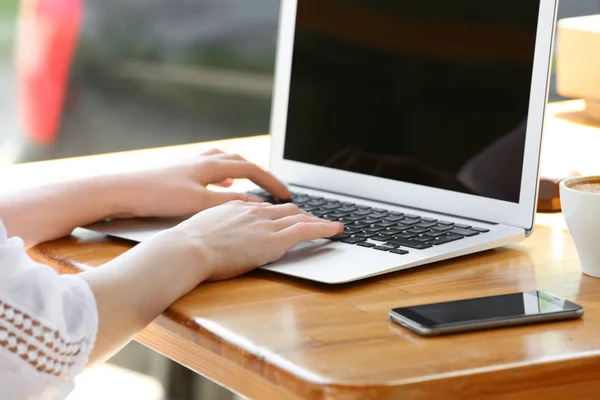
268 336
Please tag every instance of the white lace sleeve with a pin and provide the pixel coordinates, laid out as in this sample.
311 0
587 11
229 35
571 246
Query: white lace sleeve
48 324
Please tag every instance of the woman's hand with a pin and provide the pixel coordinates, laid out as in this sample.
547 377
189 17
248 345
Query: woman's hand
220 243
180 189
238 237
52 211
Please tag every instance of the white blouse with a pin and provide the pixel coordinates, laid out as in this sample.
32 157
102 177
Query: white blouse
48 325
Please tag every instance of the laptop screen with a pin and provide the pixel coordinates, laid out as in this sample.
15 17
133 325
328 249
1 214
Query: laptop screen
430 92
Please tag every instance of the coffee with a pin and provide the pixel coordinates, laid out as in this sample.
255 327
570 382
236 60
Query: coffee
590 185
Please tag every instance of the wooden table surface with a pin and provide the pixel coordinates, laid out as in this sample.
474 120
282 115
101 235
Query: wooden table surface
268 336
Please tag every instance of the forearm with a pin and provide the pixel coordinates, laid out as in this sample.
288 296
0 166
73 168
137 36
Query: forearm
52 211
136 288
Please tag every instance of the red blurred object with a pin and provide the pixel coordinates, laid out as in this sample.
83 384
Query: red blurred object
48 32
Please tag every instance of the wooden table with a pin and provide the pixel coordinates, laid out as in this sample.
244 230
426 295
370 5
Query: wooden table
268 336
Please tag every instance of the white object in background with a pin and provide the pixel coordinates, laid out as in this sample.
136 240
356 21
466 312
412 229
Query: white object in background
107 381
582 214
578 61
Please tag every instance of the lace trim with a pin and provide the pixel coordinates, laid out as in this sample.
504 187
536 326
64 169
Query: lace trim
38 345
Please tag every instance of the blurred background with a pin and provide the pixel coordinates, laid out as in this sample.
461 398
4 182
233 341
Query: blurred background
113 75
143 73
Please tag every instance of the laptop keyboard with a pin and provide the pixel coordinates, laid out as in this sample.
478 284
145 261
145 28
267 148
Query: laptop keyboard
380 229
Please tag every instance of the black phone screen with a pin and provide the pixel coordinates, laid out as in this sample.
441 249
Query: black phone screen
509 306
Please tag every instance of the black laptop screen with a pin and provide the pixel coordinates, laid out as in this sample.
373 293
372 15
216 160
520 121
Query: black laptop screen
431 92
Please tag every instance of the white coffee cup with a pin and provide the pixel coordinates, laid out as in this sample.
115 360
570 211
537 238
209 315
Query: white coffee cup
581 209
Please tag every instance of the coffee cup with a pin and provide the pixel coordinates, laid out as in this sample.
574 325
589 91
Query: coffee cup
580 201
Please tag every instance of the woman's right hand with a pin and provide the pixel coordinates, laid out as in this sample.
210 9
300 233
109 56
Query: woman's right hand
237 237
218 243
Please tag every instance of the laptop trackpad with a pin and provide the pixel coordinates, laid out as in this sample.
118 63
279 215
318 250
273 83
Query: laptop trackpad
309 245
309 249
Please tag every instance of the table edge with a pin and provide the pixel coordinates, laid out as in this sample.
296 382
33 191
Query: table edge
278 374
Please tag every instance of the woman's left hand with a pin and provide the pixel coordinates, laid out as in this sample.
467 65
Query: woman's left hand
180 189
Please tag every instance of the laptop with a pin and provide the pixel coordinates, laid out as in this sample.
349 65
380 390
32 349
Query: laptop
416 123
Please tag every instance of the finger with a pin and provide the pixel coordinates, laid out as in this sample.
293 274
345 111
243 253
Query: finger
217 198
286 222
304 232
212 152
231 156
282 211
234 169
227 183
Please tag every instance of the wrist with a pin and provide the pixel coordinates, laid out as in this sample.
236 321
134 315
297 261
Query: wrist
113 195
185 264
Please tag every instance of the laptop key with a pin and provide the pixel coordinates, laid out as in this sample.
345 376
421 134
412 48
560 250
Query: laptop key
359 225
347 209
362 213
382 238
297 195
406 235
428 219
463 232
384 248
426 225
399 251
354 240
316 203
410 243
462 226
331 206
445 239
379 215
442 228
434 234
319 212
300 200
338 214
412 216
445 223
350 218
394 218
366 244
481 230
373 229
309 208
366 235
351 231
339 237
410 221
385 224
370 220
392 231
417 230
422 239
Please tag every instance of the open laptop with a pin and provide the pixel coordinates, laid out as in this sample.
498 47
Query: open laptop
416 123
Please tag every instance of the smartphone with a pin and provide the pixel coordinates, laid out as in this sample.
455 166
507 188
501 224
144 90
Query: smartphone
485 313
